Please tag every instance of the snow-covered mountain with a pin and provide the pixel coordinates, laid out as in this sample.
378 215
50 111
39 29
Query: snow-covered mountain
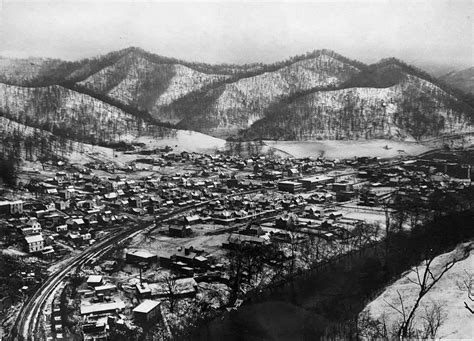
317 95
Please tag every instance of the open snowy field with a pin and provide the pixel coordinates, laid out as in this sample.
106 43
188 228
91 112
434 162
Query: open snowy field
349 149
184 140
458 320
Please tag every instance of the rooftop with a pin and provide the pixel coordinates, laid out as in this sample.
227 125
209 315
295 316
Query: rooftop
101 307
34 239
146 306
94 279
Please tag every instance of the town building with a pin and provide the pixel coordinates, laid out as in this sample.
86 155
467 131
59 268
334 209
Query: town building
34 243
147 311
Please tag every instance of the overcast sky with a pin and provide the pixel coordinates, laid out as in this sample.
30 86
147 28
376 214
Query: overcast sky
422 32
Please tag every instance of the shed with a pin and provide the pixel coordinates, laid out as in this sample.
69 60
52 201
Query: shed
94 280
147 311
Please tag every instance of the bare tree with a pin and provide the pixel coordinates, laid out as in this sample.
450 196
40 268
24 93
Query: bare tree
310 250
370 328
467 285
172 289
425 280
433 318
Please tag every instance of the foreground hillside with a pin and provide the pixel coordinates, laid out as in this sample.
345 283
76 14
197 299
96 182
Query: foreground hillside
457 320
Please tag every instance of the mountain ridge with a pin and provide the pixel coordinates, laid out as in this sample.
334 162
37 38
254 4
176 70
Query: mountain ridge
462 79
231 100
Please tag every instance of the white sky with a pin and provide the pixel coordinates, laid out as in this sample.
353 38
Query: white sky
428 31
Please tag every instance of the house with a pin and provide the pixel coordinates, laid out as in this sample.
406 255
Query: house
136 202
105 289
75 223
61 228
102 308
240 239
31 231
183 287
193 219
293 172
12 207
286 221
33 223
252 230
147 311
94 280
180 231
62 204
66 194
186 256
34 243
139 256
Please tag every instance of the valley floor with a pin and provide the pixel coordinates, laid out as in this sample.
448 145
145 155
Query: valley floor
335 149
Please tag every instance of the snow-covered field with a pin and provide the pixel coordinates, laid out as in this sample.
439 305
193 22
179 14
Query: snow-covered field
349 149
458 323
184 140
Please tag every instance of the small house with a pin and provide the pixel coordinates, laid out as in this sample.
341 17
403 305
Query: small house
180 231
34 243
94 280
147 311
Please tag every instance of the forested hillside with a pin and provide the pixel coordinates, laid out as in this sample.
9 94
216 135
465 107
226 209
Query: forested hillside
140 83
318 95
236 105
382 102
463 80
72 115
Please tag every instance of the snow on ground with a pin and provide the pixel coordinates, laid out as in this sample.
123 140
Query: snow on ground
369 217
14 252
349 149
184 140
458 323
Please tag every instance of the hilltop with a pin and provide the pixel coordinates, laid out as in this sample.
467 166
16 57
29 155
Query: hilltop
318 95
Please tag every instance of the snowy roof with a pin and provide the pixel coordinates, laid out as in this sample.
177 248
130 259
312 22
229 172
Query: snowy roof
146 306
101 307
107 286
142 254
34 239
94 279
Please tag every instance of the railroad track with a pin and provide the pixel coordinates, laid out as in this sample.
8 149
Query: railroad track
27 323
